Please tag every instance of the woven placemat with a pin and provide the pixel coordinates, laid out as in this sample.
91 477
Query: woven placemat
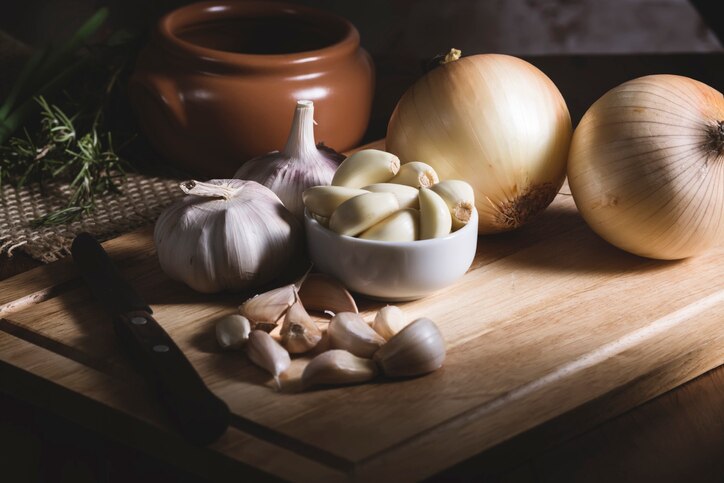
141 201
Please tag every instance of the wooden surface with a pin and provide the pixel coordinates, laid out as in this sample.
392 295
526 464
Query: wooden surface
550 323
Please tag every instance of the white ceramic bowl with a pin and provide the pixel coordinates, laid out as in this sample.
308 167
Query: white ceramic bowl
392 271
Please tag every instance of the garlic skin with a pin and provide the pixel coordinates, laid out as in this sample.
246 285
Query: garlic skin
417 349
232 331
324 293
338 367
301 164
389 321
299 333
266 353
227 234
265 310
350 332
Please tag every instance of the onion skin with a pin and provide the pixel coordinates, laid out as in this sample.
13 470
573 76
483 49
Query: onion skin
494 121
646 167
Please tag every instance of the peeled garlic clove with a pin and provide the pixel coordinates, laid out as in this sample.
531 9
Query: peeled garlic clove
350 332
389 321
402 226
299 332
338 367
406 195
232 331
435 218
266 353
323 293
417 349
460 199
265 310
361 212
323 200
365 167
416 174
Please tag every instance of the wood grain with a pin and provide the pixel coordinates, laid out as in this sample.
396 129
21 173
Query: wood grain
550 320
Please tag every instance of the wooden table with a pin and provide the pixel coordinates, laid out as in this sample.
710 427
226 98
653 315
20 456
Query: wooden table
679 435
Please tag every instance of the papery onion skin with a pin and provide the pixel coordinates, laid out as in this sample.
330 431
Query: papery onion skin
646 167
494 121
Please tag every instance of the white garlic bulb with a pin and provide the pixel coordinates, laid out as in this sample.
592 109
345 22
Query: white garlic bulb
299 166
227 234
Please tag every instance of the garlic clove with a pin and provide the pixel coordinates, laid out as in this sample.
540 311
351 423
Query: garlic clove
417 349
361 212
299 332
366 167
232 331
406 195
323 293
266 353
435 218
323 200
460 199
338 367
402 226
350 332
265 310
389 321
416 174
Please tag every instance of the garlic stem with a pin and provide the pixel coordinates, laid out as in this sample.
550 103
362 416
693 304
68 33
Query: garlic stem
210 190
300 144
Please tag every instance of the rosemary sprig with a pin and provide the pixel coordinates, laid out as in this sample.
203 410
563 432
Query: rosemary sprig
57 150
66 134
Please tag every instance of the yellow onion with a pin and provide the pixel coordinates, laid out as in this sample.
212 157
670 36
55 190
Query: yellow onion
494 121
646 167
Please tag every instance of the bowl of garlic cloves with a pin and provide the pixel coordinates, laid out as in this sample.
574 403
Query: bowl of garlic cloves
389 231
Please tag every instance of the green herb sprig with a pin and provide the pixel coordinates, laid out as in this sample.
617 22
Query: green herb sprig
70 138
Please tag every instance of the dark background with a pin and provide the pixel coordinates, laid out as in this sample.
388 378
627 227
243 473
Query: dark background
400 34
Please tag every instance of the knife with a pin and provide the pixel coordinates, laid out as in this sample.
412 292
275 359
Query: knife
199 414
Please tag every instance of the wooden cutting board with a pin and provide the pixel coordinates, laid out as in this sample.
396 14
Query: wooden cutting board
550 319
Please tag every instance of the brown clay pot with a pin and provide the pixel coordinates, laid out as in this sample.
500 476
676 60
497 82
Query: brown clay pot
218 82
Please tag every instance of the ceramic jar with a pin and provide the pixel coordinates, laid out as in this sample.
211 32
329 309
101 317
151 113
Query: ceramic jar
218 82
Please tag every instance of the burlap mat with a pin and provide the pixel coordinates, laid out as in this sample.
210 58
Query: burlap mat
141 201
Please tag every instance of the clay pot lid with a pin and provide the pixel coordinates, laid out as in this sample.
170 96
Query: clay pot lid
207 12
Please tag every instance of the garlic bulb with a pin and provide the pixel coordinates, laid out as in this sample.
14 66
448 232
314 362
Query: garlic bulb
494 121
299 166
227 234
646 167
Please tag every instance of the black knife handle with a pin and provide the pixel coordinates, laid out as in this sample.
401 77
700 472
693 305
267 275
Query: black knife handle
200 415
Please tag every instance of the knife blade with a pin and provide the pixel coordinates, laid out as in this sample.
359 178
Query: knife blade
200 416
